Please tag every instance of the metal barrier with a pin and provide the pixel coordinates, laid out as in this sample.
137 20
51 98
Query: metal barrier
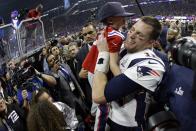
31 35
9 44
25 40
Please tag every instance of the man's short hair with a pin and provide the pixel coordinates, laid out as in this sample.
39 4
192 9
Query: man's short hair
155 24
73 43
90 24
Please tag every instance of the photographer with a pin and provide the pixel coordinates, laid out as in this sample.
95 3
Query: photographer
179 87
29 79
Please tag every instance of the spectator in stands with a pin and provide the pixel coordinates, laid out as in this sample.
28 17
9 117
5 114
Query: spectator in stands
44 116
126 92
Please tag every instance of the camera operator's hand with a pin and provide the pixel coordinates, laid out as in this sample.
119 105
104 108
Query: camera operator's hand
24 94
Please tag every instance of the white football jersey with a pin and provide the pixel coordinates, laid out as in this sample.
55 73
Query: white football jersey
144 68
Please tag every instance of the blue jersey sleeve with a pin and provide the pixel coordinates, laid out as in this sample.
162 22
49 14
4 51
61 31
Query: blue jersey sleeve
119 87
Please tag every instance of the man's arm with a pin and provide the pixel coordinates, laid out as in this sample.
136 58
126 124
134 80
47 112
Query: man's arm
50 80
99 84
102 66
114 66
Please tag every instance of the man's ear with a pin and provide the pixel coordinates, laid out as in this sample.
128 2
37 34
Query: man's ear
152 42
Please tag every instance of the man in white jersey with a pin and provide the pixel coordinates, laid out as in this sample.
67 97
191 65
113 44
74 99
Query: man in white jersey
141 71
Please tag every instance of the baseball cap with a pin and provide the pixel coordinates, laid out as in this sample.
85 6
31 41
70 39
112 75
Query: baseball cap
112 9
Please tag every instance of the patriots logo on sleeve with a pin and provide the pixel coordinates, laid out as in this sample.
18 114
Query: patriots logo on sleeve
146 71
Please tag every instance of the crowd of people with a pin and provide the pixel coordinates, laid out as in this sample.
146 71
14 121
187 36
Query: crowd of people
164 8
102 78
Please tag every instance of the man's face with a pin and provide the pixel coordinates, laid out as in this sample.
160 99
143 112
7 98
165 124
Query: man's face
64 40
55 51
2 105
89 33
51 60
171 35
73 50
11 65
138 37
44 51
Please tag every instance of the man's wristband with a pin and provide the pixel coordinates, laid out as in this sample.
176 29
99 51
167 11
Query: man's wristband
103 62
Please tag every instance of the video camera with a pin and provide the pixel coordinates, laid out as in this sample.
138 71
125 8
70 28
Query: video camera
184 52
23 74
21 77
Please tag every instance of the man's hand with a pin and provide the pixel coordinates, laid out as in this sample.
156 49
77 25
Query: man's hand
102 44
83 73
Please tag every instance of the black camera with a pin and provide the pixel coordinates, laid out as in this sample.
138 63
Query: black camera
184 52
22 75
157 116
163 121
